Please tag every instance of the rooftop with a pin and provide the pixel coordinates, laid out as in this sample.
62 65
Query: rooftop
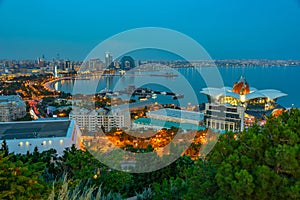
184 114
166 124
253 93
7 99
34 129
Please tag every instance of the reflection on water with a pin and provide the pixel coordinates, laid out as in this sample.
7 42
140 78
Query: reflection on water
56 86
280 78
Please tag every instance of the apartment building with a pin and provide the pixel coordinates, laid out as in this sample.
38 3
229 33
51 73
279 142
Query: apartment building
12 107
95 119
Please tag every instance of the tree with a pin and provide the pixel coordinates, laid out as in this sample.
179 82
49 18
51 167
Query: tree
20 180
83 168
201 181
169 189
261 163
4 148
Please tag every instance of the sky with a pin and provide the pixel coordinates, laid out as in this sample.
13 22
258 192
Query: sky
231 29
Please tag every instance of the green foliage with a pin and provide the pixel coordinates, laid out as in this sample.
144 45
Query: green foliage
261 163
170 189
20 180
27 117
80 193
201 182
145 195
4 148
84 169
175 169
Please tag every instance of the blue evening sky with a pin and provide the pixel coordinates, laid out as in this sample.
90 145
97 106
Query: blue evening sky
225 28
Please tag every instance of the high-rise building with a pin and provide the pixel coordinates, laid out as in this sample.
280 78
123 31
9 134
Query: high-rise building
55 71
67 65
72 66
108 59
95 64
12 107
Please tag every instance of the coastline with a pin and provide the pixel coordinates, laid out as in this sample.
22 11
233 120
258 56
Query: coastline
50 84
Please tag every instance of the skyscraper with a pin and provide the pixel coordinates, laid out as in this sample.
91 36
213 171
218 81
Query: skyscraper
108 59
55 71
67 65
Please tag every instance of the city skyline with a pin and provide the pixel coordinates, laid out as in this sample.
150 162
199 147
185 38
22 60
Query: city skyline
227 30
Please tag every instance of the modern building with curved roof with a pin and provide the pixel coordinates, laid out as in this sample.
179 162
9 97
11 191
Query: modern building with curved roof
241 94
233 108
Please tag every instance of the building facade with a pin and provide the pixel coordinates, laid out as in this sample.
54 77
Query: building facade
108 59
12 107
168 118
93 120
23 137
228 107
175 115
222 117
241 94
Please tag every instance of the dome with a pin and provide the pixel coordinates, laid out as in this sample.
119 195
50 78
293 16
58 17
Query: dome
241 87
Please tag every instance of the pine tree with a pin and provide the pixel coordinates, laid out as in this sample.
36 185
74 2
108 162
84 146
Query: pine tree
4 148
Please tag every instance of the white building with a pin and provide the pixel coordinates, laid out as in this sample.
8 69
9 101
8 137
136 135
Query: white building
108 59
45 135
227 106
241 94
12 107
93 120
224 117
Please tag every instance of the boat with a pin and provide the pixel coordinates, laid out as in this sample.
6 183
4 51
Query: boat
122 72
143 98
105 90
178 96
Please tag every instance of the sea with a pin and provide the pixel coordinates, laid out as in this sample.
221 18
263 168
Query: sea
190 81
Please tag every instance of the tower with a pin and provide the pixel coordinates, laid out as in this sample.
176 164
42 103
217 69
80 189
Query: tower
108 59
67 65
55 71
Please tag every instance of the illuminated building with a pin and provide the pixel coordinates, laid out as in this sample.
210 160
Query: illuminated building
175 115
93 120
222 117
45 135
241 97
167 118
67 65
108 59
55 71
241 94
12 107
